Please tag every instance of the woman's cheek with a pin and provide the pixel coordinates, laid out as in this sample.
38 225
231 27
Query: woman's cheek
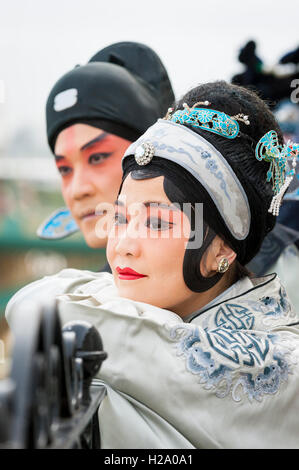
110 250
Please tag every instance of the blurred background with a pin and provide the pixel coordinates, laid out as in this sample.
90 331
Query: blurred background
39 41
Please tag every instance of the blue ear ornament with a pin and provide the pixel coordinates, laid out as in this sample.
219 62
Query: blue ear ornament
59 225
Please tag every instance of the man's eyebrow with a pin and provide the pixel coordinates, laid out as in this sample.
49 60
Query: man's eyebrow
88 144
95 140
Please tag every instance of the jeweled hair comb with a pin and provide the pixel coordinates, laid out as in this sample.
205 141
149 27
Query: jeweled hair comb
208 119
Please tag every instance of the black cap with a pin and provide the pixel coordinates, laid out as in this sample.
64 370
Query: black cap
123 89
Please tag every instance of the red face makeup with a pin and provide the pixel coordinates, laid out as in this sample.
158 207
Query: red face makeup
89 161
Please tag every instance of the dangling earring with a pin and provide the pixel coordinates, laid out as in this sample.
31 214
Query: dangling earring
223 265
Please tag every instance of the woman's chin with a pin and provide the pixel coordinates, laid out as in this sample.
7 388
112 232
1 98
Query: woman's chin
139 295
133 293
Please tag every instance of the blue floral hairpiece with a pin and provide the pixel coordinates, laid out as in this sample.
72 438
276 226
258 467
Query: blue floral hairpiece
208 119
268 147
269 150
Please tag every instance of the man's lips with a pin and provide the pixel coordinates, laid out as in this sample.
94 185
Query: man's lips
89 213
128 274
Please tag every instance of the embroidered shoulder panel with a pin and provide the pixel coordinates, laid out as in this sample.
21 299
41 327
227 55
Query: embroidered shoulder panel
235 362
268 310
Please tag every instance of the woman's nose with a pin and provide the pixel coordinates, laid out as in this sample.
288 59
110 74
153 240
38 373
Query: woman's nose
128 241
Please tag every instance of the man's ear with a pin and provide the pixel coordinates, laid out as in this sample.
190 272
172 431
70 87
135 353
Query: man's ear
218 250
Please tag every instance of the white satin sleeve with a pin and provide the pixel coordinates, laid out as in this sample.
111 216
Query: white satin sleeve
49 287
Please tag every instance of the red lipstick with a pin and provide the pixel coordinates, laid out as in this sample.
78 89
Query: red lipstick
128 274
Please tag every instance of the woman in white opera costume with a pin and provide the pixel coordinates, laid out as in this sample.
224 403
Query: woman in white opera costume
200 353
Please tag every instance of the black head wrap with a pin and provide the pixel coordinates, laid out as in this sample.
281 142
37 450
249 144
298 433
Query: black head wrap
123 90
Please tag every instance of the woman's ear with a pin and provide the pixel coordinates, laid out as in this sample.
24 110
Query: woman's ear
216 252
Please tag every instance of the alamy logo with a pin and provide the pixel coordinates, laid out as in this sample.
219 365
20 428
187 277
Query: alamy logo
295 93
164 221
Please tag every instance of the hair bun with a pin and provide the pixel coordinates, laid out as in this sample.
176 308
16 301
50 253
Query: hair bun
142 62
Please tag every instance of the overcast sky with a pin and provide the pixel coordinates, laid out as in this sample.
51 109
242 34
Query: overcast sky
197 40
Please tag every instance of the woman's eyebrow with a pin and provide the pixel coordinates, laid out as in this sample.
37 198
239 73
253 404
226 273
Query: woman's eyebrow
119 203
158 204
95 140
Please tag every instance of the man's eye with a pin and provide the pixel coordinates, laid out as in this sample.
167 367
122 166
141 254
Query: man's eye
158 224
97 158
119 219
64 170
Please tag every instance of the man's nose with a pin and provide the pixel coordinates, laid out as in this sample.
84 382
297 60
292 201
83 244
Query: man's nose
82 185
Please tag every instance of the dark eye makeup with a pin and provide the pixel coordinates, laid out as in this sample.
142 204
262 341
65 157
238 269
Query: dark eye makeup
94 159
119 219
154 223
64 170
97 158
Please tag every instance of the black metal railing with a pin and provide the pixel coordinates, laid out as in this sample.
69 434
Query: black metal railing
50 399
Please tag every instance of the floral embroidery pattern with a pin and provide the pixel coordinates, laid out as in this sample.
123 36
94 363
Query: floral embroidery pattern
265 383
273 308
224 360
211 165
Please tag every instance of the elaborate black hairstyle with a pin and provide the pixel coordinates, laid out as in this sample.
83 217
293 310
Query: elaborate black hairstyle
180 186
123 90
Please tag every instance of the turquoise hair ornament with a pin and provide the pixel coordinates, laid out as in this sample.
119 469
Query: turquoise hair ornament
279 172
208 119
